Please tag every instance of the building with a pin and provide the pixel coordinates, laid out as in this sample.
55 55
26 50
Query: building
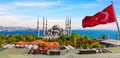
55 32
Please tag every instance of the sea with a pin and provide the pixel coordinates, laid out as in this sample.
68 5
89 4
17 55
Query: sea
110 34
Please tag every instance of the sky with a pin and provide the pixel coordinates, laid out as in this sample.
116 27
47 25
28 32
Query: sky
24 13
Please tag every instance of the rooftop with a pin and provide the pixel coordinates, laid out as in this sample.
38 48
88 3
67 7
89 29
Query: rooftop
23 53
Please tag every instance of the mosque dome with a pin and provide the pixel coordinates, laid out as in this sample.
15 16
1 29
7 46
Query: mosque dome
56 30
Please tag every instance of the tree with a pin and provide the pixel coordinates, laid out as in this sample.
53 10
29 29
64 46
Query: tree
63 38
12 39
30 38
20 38
95 44
2 37
60 41
45 39
85 46
103 36
1 42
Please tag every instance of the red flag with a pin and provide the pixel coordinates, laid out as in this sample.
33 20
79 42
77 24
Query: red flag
103 17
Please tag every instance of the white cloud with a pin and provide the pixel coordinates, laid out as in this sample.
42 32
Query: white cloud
26 21
5 9
59 22
16 21
114 1
105 1
36 3
77 6
59 1
89 5
75 23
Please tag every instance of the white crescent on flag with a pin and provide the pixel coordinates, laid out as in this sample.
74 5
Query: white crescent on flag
106 16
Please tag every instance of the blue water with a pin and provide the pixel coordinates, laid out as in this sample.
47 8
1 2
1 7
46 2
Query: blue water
110 34
92 33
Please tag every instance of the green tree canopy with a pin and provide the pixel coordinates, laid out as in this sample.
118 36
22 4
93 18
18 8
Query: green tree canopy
103 36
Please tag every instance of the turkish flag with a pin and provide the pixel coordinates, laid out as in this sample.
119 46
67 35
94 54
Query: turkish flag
103 17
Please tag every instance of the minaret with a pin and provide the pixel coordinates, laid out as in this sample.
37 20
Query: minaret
43 26
38 30
46 27
70 27
65 26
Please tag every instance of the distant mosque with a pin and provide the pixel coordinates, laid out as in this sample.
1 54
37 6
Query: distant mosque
56 31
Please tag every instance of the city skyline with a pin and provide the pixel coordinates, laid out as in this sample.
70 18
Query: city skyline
26 12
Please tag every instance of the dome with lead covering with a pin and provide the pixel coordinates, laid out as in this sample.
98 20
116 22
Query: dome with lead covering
56 30
56 27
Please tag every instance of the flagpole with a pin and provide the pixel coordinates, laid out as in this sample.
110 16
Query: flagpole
116 21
